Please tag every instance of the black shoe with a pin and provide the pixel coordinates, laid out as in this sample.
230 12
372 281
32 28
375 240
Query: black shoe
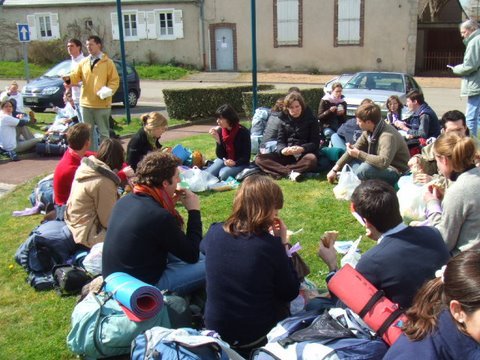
242 175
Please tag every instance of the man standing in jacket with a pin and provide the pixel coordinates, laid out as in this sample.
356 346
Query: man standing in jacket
470 72
100 80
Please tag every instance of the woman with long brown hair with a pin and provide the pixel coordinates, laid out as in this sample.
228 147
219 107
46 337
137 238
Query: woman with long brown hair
250 278
456 214
444 321
298 141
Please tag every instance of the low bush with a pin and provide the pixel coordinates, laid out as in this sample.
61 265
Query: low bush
267 98
47 52
202 102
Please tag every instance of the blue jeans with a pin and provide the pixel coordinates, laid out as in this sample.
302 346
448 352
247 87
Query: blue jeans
79 112
366 171
181 277
473 114
223 172
337 141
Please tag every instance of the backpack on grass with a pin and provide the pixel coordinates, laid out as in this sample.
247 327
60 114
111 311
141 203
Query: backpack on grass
181 344
49 244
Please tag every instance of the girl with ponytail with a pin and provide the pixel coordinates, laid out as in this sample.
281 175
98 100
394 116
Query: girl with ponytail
456 214
147 138
444 321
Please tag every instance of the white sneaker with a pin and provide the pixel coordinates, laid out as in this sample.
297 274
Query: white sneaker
294 176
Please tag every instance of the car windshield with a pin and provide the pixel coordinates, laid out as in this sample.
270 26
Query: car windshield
376 81
59 70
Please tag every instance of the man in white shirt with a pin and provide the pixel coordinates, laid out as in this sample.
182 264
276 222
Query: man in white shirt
74 48
13 92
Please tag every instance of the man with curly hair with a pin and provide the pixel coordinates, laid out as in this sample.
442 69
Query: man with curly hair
146 236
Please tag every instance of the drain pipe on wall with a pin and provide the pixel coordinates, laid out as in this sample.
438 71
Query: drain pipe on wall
202 34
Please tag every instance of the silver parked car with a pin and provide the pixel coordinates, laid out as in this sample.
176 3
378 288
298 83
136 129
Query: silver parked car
377 86
342 79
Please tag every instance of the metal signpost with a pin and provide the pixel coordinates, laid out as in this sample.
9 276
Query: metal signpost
24 38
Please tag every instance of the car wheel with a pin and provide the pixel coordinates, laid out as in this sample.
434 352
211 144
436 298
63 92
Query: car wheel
37 109
132 98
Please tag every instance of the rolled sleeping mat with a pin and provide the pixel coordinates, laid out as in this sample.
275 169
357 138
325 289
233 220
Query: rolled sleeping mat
364 299
140 301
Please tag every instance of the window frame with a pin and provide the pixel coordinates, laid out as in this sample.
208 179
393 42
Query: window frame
130 14
44 20
276 42
336 42
158 23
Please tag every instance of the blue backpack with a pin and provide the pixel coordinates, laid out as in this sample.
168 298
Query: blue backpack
181 344
49 244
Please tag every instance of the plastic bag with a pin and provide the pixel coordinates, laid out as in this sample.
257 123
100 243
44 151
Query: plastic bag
410 199
198 180
347 183
352 256
93 261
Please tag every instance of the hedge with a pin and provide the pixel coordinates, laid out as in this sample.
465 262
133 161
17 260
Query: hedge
203 102
312 98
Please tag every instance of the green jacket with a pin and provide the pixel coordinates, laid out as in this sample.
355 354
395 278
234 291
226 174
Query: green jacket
470 69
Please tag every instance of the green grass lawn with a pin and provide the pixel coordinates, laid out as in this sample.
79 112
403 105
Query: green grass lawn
35 324
16 70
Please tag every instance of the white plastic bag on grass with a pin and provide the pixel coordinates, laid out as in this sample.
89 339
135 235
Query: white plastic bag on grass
198 180
347 183
93 261
352 256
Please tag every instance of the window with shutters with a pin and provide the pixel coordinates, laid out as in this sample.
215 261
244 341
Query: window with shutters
349 22
164 24
43 26
130 25
134 25
287 24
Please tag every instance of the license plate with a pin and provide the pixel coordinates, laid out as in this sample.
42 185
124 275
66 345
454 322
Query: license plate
30 100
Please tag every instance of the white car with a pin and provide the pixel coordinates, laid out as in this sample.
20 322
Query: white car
377 86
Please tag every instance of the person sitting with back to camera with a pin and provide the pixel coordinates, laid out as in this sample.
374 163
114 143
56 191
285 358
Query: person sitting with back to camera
147 237
396 264
250 278
379 153
297 142
78 139
455 212
233 144
332 111
147 137
443 322
94 193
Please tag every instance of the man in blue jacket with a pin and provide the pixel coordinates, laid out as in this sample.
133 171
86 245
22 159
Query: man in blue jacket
404 258
423 123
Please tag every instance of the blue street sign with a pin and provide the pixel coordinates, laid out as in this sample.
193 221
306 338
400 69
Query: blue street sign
23 32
